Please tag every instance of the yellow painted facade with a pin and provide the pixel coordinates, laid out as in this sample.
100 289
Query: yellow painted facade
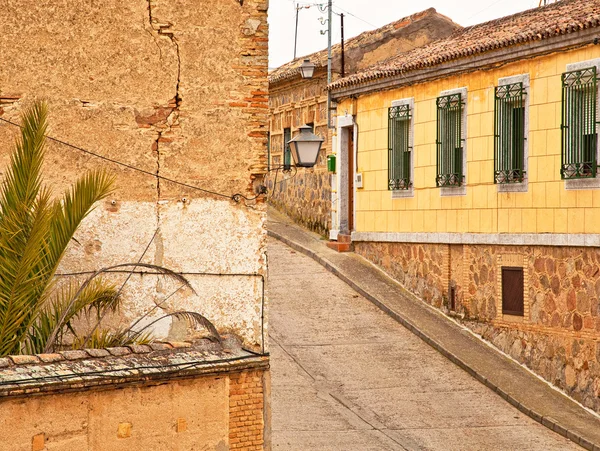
546 207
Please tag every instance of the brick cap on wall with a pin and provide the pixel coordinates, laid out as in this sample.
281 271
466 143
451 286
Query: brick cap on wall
75 370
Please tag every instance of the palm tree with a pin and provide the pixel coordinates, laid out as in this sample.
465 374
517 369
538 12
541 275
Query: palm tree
34 233
36 315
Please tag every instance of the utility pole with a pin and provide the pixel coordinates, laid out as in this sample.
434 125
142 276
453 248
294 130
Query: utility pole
343 69
329 15
298 8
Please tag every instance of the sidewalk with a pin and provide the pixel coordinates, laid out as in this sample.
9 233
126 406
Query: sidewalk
518 386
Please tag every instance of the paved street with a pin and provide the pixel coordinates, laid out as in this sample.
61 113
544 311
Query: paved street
347 377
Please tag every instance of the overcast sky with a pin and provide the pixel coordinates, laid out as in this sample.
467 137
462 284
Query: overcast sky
363 15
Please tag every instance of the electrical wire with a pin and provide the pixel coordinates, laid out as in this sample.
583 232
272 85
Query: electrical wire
180 367
235 197
355 16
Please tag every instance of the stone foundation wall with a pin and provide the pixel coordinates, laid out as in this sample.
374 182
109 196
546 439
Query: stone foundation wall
558 336
421 268
306 198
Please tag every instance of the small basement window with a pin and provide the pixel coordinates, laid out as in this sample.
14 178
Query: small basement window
512 291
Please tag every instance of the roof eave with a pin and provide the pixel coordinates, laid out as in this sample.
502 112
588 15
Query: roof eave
488 59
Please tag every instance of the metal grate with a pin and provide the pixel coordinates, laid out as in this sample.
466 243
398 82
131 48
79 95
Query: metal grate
578 126
449 141
509 133
399 149
512 291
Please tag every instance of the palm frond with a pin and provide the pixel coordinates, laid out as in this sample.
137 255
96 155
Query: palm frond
106 338
193 318
25 279
59 312
75 205
52 339
22 182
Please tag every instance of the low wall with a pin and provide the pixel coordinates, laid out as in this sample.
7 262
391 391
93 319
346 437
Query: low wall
558 336
135 398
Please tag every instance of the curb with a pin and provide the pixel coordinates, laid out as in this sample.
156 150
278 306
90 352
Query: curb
546 421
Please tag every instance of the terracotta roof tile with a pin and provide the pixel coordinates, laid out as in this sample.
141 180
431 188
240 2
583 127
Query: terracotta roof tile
319 58
562 17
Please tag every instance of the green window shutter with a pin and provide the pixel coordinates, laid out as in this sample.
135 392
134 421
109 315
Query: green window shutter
578 125
509 133
399 150
449 150
287 153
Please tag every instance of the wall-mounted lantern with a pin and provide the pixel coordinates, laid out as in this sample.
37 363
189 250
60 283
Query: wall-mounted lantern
307 69
305 147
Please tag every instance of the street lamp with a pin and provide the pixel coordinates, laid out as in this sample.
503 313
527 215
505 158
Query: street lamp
305 147
307 69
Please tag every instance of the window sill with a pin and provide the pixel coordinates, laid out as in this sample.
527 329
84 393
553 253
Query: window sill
589 183
446 191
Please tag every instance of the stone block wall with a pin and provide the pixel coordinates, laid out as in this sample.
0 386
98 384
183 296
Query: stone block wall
558 337
420 268
305 194
306 198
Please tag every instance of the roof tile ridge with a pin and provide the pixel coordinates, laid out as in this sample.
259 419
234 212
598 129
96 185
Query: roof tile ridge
91 353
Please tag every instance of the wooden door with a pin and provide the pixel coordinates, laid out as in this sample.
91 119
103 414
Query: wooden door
351 177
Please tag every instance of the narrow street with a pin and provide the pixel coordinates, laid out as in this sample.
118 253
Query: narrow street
345 376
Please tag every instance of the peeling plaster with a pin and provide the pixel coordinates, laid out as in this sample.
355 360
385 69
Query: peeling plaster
113 93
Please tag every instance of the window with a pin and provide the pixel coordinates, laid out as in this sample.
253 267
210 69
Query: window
509 134
578 126
399 147
287 154
512 291
449 140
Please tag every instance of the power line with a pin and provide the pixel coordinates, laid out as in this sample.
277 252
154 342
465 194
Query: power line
484 9
235 197
355 16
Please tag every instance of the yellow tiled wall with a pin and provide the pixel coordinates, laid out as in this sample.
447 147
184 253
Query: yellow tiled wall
546 207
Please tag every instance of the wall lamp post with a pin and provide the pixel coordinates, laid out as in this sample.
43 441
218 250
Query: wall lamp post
307 69
305 147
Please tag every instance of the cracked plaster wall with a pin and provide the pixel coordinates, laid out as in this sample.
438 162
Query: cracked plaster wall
177 88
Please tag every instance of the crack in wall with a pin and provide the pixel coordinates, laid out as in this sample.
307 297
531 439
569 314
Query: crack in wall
164 126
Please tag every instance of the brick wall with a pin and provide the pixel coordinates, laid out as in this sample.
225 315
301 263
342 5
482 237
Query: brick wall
246 411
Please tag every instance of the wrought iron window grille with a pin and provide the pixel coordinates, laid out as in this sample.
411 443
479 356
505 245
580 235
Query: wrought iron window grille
509 133
399 148
287 153
449 141
579 136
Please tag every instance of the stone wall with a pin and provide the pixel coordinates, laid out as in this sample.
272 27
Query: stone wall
178 90
302 194
558 336
420 268
305 197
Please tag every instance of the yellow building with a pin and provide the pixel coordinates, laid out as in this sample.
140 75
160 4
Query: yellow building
467 169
